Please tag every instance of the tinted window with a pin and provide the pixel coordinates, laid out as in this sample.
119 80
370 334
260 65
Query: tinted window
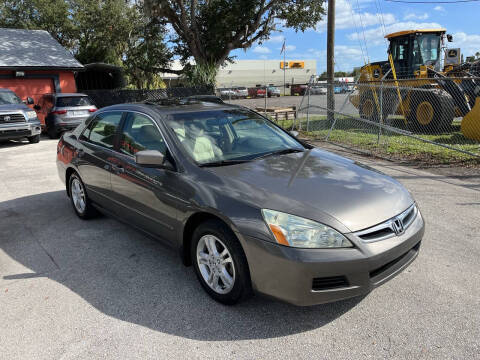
102 129
73 101
140 133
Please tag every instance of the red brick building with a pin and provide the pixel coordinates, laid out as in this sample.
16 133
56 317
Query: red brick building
33 63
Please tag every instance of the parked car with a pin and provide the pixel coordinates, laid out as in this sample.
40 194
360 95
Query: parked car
241 92
273 91
242 200
339 90
227 93
298 89
255 92
318 90
17 120
63 111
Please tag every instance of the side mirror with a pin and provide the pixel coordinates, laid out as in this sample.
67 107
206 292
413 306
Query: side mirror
37 107
149 158
293 133
449 37
29 100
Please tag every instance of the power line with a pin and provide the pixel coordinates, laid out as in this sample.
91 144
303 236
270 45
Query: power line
433 2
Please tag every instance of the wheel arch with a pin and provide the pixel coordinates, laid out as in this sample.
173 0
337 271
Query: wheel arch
193 221
68 173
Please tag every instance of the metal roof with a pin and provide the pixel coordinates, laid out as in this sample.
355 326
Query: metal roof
33 49
406 32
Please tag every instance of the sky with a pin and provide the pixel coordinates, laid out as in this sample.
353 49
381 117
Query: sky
360 29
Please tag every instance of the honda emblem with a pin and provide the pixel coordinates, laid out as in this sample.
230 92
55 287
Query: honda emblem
397 226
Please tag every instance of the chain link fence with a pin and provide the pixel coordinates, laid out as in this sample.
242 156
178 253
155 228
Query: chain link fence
422 119
433 120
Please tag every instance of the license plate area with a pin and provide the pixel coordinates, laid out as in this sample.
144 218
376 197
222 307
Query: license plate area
77 112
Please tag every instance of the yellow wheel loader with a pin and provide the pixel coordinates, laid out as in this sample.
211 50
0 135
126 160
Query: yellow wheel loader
418 84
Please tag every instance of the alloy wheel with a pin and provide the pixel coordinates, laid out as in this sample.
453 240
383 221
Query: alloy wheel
78 195
215 264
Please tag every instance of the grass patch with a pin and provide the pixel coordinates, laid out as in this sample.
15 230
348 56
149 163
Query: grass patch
354 133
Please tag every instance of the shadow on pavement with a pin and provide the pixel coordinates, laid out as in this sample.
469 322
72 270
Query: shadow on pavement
133 278
22 141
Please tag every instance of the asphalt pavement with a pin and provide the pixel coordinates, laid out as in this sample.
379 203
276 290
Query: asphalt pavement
318 103
73 289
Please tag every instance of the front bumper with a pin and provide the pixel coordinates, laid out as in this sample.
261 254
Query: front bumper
19 130
314 276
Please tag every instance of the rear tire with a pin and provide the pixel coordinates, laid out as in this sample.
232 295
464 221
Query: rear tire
52 133
35 139
220 263
431 111
369 108
79 198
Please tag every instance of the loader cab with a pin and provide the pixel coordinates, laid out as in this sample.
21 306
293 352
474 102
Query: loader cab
413 48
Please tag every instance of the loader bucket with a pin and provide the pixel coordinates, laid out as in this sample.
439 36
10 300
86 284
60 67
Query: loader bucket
355 100
471 122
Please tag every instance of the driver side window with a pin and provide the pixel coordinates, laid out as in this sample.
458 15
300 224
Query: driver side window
140 133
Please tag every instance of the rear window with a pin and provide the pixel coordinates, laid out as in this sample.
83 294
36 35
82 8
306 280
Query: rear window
73 101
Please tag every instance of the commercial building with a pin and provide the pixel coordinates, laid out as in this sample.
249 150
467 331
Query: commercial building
251 73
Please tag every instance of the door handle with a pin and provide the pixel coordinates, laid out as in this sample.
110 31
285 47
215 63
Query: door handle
118 169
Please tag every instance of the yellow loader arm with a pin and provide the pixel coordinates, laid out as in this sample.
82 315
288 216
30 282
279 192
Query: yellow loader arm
471 122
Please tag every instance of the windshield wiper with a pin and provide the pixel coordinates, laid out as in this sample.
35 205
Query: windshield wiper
279 152
223 163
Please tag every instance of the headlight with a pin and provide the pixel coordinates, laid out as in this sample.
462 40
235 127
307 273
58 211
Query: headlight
31 114
298 232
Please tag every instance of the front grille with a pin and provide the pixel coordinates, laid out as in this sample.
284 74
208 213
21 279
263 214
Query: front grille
386 229
14 133
11 118
327 283
388 265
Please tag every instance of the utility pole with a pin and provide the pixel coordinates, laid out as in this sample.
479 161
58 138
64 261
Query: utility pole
330 60
284 49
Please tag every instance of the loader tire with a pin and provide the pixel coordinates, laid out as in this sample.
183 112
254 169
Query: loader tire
431 111
369 108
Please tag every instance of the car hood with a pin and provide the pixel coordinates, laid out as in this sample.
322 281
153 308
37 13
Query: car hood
14 107
317 185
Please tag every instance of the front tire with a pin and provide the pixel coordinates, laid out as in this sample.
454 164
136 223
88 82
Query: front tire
220 263
79 198
432 111
35 139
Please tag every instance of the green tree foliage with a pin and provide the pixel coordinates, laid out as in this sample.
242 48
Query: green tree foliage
50 15
103 29
147 52
209 30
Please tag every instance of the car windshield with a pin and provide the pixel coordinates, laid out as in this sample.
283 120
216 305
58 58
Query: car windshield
222 136
67 101
9 97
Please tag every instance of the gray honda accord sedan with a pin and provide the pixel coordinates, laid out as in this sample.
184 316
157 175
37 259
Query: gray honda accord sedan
251 207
